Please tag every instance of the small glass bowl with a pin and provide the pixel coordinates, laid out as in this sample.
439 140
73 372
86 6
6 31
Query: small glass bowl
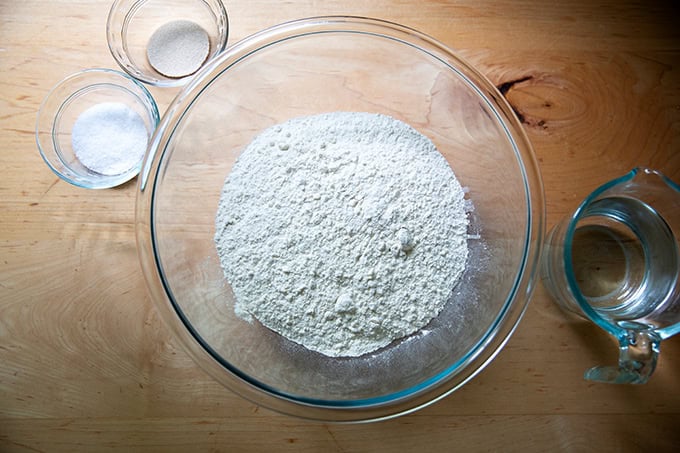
132 22
71 97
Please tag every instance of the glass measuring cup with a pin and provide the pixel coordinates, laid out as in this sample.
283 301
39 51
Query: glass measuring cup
616 262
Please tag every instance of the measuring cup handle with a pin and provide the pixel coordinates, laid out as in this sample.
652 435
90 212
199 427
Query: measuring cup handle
638 353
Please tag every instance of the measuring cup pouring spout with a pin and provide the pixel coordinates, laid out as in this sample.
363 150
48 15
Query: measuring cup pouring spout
616 262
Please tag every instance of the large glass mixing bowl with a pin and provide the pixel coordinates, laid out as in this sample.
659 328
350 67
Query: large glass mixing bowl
323 65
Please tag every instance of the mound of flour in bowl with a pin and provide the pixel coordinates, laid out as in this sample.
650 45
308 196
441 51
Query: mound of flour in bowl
342 231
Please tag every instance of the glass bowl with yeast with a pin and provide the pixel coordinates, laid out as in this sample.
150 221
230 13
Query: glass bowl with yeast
164 42
340 219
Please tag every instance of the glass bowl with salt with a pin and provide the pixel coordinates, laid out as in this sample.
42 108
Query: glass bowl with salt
164 42
94 126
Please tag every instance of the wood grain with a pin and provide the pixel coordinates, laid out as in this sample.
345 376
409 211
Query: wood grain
86 364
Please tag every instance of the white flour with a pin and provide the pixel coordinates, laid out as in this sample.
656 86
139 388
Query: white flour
342 232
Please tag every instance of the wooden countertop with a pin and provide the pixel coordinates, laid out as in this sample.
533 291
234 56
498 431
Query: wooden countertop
86 365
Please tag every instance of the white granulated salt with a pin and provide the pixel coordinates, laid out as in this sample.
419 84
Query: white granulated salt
342 232
109 138
178 48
